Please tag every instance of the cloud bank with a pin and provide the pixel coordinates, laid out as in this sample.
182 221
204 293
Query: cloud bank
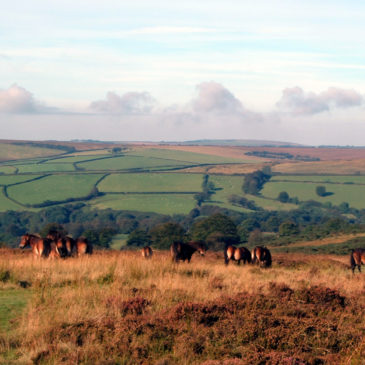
296 101
16 99
128 103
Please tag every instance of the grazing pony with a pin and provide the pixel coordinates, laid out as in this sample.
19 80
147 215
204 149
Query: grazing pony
83 246
41 247
357 258
184 251
236 254
147 252
262 256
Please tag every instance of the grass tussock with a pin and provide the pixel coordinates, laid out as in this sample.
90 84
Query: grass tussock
116 308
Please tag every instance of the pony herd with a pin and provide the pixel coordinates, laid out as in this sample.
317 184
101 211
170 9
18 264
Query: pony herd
56 245
180 251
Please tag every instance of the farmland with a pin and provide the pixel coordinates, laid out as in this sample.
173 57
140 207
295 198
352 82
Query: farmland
119 308
131 178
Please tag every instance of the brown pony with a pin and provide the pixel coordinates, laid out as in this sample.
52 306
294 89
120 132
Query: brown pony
262 256
236 254
184 251
41 247
147 252
357 258
67 245
83 246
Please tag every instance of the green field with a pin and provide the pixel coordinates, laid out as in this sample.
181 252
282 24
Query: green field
13 179
228 185
190 157
54 187
352 194
129 163
45 167
158 203
118 241
6 204
7 169
152 182
329 179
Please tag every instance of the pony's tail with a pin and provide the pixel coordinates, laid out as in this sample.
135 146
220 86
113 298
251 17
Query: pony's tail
226 256
352 261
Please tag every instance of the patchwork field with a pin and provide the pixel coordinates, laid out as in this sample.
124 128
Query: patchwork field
151 182
115 307
158 203
337 193
150 169
68 186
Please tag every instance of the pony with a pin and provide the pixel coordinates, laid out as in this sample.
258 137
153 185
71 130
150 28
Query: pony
83 246
41 247
236 254
262 256
184 251
357 258
147 252
67 245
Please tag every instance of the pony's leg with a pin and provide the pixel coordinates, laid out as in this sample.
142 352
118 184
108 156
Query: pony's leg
359 267
238 262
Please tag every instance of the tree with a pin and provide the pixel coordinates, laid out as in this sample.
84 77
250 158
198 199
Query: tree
254 182
139 237
288 228
321 190
52 227
216 228
163 235
283 197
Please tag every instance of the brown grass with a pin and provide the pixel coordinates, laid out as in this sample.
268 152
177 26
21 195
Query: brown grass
342 167
116 308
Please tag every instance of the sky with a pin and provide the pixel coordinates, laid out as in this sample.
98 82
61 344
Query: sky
157 70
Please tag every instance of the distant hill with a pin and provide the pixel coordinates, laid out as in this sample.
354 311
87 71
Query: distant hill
237 142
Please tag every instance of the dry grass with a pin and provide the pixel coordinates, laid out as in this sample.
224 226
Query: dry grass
340 167
117 308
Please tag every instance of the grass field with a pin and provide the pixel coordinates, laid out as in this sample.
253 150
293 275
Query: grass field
159 203
13 179
13 152
352 194
6 204
151 182
228 185
190 157
45 167
119 240
128 163
7 169
315 178
68 186
115 307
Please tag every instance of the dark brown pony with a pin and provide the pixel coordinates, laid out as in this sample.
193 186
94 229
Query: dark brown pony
147 252
357 258
262 256
83 246
236 254
184 251
67 245
41 247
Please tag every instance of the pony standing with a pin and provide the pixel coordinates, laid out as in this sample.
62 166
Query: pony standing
184 251
357 258
236 254
262 256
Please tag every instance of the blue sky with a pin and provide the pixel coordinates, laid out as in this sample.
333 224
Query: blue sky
155 70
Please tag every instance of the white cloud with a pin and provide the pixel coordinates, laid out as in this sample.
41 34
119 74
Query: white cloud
128 103
16 99
296 101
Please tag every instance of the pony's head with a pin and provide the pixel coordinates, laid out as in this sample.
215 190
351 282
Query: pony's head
24 241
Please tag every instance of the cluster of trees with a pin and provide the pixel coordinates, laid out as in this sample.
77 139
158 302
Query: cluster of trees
209 223
255 181
281 155
208 189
